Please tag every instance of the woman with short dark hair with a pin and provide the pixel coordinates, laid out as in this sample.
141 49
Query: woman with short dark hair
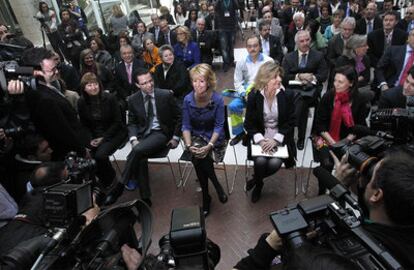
339 110
100 114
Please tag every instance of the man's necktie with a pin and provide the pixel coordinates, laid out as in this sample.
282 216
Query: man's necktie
407 68
387 41
129 73
167 39
369 27
302 63
150 114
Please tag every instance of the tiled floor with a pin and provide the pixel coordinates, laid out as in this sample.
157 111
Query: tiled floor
234 226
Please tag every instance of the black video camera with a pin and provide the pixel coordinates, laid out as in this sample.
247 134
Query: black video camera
363 153
10 70
63 203
399 122
187 246
338 228
80 169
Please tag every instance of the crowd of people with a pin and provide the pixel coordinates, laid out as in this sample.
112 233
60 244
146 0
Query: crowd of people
152 87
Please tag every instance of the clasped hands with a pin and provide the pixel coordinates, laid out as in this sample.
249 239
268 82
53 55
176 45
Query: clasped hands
200 152
269 146
306 77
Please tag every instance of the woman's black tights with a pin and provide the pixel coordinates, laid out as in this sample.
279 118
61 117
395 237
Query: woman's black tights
205 170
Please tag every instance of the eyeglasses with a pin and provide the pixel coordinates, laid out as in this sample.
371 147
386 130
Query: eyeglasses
147 82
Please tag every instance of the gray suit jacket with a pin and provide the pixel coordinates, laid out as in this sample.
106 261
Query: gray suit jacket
168 114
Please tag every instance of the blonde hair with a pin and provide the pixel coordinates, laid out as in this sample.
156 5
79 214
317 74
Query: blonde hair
206 72
164 10
266 72
117 11
185 30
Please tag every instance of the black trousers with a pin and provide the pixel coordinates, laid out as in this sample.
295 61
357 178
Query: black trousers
326 162
265 166
308 98
205 170
136 167
105 171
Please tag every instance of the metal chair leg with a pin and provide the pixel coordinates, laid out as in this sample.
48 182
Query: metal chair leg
177 185
225 176
184 174
235 171
116 164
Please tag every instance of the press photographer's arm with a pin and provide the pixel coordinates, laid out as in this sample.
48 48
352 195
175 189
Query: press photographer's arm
266 249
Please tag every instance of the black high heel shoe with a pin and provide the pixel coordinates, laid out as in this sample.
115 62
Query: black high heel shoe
221 194
206 206
222 197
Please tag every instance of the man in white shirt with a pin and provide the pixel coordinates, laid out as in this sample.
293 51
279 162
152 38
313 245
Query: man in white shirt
244 75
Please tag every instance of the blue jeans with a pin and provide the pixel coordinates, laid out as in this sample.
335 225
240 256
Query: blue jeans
227 46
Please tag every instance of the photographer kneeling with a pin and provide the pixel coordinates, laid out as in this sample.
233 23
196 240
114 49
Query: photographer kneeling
388 198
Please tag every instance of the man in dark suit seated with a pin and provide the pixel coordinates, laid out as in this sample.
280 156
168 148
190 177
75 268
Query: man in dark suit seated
124 70
387 7
379 40
166 35
287 15
307 67
407 23
154 124
155 28
297 25
370 21
337 43
350 9
205 40
393 66
271 45
400 96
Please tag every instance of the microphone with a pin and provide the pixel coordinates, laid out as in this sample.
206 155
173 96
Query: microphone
336 188
361 131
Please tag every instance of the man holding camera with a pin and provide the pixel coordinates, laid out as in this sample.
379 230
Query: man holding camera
388 196
51 112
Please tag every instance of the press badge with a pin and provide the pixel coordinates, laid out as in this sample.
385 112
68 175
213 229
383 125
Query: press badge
226 14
